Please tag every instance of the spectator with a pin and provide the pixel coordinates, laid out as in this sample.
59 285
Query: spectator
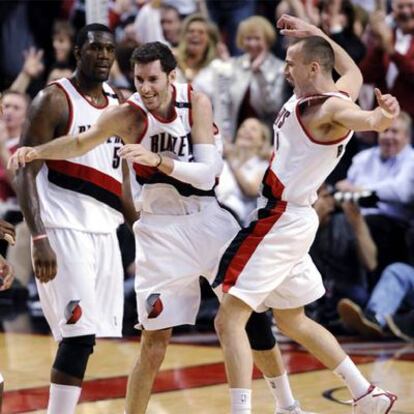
387 169
170 24
245 164
63 35
32 68
58 71
25 24
197 47
148 23
251 85
228 15
337 18
394 288
344 252
389 63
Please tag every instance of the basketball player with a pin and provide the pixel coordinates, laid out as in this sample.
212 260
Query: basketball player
267 265
182 228
73 209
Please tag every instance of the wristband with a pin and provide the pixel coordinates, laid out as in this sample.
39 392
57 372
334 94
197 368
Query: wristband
159 161
1 378
39 237
387 114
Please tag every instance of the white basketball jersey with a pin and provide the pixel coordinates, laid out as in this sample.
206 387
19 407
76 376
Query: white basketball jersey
300 163
154 191
83 193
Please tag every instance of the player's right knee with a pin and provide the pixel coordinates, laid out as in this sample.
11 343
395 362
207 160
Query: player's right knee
73 355
259 331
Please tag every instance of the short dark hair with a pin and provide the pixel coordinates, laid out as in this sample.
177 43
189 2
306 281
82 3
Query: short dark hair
152 51
82 35
316 48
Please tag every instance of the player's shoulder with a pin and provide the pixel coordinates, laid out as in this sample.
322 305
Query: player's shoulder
199 98
52 96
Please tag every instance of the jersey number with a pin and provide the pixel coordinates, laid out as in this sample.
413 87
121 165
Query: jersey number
116 160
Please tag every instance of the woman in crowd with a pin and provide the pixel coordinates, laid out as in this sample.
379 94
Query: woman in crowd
251 85
245 164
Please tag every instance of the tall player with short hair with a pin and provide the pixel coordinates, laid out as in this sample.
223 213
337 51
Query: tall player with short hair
73 209
182 228
267 265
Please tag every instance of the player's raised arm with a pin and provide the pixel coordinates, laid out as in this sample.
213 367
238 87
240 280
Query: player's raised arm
353 117
350 80
69 146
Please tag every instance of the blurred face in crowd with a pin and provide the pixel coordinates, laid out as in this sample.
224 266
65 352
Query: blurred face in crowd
403 11
392 141
171 25
14 108
197 38
96 56
56 74
152 83
62 44
250 134
254 43
331 15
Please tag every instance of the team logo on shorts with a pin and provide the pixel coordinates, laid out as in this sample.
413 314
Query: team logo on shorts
73 312
154 305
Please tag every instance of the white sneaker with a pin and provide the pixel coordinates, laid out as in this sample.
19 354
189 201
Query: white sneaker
293 409
375 401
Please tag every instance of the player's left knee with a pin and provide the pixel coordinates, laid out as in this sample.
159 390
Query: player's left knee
73 355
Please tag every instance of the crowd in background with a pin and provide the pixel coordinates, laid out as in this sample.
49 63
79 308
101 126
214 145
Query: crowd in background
231 51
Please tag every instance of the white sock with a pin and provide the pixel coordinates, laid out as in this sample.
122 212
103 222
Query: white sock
241 400
280 388
1 379
63 399
351 375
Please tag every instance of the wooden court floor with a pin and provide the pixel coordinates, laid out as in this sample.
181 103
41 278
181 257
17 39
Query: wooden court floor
192 379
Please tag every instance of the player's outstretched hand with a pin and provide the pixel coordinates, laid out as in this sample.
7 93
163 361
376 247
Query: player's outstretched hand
294 27
139 154
21 157
6 274
388 103
7 232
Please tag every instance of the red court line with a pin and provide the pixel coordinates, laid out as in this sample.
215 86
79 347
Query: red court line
31 399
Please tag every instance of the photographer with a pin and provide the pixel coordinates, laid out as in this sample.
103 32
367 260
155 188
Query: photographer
343 251
388 170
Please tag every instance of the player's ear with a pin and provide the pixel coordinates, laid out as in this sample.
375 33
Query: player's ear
172 75
315 67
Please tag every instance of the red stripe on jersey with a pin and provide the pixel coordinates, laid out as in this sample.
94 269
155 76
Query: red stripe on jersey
190 115
83 172
144 171
250 244
274 183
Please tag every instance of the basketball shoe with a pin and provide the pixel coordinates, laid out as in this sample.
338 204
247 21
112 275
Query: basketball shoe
293 409
375 401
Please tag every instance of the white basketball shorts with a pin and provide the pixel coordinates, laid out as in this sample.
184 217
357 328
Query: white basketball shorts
86 296
267 264
172 252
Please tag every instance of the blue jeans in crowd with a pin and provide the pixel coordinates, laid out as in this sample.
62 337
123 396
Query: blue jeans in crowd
395 286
